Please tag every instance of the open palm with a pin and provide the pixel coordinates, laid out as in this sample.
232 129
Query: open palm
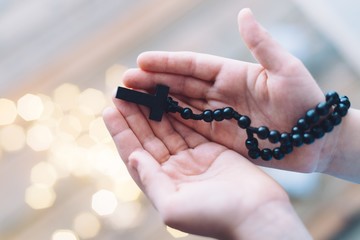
274 93
198 186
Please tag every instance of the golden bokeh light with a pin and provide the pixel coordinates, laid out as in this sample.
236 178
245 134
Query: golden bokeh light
105 160
61 170
70 159
104 202
84 115
92 99
66 96
71 126
39 196
127 215
39 137
64 234
30 107
12 138
127 190
176 233
43 173
86 225
85 141
48 107
8 111
114 75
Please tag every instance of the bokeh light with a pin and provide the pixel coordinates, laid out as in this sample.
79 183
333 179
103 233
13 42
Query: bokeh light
66 96
114 75
39 196
64 234
86 225
30 107
104 202
8 111
127 190
12 138
127 215
43 173
85 141
84 116
39 137
105 160
71 126
48 107
92 99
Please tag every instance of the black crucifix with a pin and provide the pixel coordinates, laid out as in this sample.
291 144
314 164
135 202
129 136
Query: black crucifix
156 103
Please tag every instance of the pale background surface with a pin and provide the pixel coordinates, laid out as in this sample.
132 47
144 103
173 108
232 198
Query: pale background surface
60 176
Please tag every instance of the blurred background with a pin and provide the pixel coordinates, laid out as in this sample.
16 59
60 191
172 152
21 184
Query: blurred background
60 61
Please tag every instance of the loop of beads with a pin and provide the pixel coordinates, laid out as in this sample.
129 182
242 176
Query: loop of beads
314 125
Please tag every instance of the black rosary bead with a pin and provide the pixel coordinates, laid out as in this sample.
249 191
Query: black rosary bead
308 138
332 98
266 154
228 112
341 109
274 136
244 122
335 118
297 140
208 116
345 100
285 138
278 154
296 130
312 116
302 124
326 125
314 125
172 106
263 132
254 153
186 113
286 148
317 132
322 108
251 143
218 115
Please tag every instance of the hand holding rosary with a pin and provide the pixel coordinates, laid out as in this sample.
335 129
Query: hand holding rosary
313 125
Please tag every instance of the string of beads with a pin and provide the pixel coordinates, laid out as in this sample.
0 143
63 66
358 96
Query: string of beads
314 125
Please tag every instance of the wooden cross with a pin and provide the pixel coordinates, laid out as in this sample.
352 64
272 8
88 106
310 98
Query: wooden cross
156 103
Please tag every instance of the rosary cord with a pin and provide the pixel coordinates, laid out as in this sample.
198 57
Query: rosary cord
314 125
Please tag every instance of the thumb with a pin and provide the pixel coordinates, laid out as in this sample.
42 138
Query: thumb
264 48
153 181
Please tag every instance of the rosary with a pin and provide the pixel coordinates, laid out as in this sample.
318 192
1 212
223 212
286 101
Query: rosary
314 125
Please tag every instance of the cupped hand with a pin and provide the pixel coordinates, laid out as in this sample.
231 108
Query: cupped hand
275 92
197 185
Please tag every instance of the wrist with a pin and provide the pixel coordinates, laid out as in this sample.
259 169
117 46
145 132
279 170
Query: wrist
343 150
273 220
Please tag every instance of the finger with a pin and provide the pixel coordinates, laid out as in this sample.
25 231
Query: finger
121 133
155 183
264 48
168 135
200 66
140 127
191 137
179 84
